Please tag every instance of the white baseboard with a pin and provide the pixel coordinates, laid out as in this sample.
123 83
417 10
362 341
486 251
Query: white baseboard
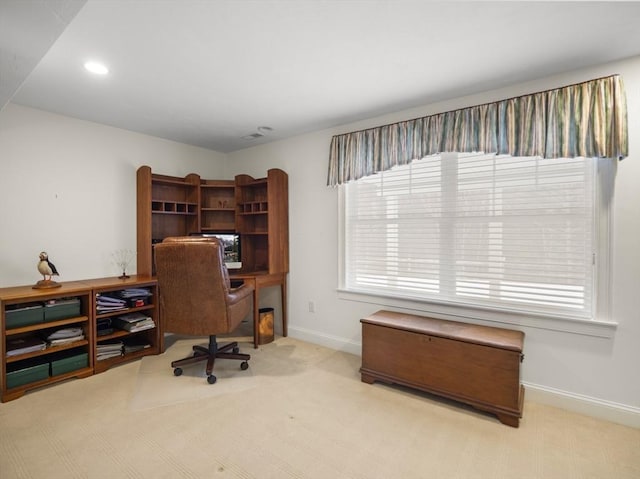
333 342
598 408
593 407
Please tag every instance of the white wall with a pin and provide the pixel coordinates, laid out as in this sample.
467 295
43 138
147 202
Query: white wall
590 374
68 187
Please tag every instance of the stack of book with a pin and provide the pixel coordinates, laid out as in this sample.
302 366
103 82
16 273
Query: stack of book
134 322
64 336
107 304
24 345
108 350
135 297
104 327
133 344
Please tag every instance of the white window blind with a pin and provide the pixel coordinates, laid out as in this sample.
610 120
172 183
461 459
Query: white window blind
472 229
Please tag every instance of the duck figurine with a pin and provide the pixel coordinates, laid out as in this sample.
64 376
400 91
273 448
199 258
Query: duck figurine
47 269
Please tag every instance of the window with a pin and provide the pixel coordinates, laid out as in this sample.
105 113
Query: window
524 235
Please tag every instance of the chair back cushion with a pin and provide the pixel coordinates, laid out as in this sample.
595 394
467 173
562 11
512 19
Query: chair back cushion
193 284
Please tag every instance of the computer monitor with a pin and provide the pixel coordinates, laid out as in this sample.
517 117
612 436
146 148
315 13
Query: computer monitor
231 245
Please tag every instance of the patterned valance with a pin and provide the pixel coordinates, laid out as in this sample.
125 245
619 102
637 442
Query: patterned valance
587 119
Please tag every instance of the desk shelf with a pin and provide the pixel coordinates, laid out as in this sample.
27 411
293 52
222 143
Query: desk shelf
217 206
262 219
255 208
174 208
166 206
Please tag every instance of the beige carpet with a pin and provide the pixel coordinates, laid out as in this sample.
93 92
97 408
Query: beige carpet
300 411
157 386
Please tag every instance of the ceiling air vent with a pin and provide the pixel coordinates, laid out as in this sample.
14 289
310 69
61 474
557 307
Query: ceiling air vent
252 136
262 131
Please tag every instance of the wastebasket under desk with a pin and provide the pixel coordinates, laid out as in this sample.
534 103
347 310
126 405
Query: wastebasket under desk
265 326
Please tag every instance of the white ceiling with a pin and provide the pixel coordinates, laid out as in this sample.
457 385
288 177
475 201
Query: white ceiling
208 73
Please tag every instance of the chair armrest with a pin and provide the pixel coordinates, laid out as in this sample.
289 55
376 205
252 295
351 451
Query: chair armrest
238 294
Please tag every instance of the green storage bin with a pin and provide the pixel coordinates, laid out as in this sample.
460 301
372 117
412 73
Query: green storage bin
23 315
62 309
69 362
19 374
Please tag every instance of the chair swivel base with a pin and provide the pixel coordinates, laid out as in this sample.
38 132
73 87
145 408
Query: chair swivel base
201 353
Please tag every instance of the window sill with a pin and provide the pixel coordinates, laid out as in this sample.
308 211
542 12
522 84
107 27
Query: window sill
601 329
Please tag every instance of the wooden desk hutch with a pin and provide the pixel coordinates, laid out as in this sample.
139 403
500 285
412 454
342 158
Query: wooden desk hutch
256 209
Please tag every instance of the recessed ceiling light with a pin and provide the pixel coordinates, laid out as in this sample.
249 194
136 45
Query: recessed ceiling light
96 67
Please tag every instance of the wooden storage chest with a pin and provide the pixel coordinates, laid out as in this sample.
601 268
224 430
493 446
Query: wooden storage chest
477 365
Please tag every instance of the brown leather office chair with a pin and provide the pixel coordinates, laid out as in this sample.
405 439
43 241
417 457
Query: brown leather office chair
196 298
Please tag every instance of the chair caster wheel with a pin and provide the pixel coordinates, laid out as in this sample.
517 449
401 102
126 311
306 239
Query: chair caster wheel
244 365
236 350
211 379
177 371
